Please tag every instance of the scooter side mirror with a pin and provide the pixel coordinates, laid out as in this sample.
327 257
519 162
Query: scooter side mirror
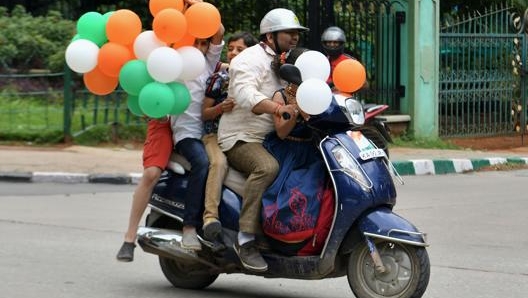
290 73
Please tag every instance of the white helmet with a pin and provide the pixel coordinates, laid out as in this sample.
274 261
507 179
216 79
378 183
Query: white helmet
280 19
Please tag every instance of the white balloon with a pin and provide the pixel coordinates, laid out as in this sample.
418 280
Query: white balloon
145 43
193 62
81 55
164 64
313 65
314 96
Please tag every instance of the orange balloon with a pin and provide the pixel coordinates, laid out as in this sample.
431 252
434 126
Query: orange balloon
186 40
156 6
123 26
98 83
169 25
349 75
130 47
203 20
112 56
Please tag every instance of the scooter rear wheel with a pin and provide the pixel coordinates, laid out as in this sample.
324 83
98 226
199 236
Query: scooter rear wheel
406 276
186 275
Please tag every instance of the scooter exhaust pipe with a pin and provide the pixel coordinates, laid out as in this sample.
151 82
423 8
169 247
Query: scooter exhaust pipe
167 243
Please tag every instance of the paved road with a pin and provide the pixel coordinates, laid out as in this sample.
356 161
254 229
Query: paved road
477 230
60 241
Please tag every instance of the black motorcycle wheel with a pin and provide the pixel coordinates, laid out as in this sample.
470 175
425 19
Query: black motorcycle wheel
407 272
186 275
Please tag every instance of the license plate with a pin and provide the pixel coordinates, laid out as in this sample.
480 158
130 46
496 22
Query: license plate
371 153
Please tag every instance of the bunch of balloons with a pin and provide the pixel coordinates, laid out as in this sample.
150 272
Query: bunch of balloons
314 95
150 65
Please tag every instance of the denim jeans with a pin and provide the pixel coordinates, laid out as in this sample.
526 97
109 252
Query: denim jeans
194 151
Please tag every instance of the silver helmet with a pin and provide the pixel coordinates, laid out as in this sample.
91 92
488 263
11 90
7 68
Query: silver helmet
333 33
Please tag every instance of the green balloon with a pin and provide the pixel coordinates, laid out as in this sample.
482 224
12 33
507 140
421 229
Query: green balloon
107 15
156 100
133 76
75 37
133 105
182 97
92 26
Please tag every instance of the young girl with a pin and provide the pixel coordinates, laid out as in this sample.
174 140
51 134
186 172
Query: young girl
292 203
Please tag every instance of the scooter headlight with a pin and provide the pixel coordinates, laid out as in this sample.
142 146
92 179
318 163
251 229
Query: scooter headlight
351 167
355 111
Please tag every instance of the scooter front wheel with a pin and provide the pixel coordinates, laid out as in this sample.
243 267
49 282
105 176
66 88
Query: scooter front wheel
406 272
186 275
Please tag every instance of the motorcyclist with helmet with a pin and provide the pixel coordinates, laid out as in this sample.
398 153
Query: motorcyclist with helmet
242 131
333 42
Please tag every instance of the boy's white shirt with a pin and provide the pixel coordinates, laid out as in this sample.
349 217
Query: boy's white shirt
189 124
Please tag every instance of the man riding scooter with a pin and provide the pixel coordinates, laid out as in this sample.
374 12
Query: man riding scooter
241 132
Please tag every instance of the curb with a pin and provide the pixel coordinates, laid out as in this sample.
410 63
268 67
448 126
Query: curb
451 166
404 168
63 177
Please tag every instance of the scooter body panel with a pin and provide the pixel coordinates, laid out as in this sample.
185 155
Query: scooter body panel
352 198
384 224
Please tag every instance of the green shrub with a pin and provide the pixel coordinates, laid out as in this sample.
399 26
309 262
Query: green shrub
28 42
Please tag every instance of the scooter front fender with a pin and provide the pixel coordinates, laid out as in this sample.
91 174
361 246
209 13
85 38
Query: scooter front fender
382 223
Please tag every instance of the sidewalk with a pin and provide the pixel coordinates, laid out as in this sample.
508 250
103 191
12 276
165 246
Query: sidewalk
81 164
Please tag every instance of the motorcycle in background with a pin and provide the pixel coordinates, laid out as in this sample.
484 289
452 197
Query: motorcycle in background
375 128
381 253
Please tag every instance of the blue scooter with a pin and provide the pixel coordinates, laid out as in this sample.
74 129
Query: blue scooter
381 253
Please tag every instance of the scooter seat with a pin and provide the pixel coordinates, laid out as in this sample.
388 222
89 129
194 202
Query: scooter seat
235 180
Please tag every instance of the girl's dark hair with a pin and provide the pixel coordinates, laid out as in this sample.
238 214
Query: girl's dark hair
249 40
294 54
286 57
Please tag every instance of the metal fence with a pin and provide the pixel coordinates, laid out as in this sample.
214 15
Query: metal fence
31 103
374 30
57 104
482 86
84 110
